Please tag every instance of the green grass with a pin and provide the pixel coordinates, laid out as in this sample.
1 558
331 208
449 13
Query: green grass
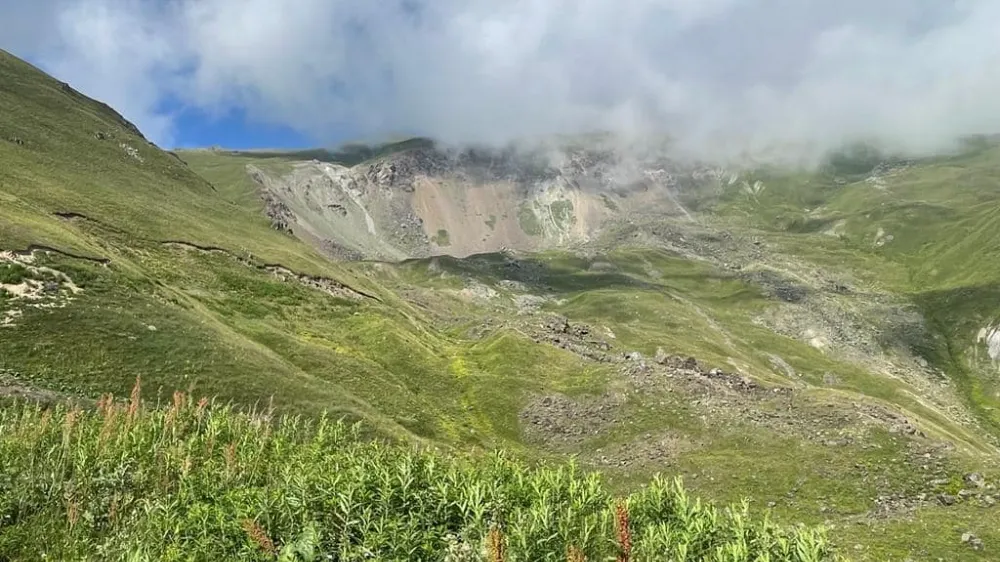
198 481
606 200
63 167
218 323
528 220
350 154
442 238
228 174
13 273
943 216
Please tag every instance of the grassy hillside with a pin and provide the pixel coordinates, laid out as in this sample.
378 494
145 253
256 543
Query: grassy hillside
141 263
926 230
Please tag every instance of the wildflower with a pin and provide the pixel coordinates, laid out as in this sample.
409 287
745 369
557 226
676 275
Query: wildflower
259 537
624 533
72 512
495 545
69 422
113 510
179 402
133 405
230 454
201 407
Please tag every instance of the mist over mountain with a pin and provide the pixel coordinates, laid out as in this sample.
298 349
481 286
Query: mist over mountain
724 79
565 239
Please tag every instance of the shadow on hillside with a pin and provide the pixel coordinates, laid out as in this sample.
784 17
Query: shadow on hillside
913 211
347 155
564 274
959 314
956 318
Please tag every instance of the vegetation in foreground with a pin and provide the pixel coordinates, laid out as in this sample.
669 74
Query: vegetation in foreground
194 481
419 362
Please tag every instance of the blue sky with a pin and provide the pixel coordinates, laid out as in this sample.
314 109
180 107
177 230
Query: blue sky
232 127
724 78
196 128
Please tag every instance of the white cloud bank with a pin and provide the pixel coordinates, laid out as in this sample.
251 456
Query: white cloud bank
723 76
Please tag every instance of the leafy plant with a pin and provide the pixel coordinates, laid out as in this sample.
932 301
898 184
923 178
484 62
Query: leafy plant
200 481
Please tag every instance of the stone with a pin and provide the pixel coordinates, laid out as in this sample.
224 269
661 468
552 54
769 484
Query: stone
559 324
661 356
975 479
972 540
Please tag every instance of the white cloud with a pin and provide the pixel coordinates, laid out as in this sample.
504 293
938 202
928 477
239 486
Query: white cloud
116 55
722 75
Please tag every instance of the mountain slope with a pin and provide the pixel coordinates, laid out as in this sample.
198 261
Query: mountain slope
186 286
762 295
416 199
924 230
637 345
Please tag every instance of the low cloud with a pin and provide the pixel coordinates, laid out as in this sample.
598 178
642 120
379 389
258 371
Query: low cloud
724 78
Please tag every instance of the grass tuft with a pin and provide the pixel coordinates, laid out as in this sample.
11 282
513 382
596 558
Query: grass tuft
13 273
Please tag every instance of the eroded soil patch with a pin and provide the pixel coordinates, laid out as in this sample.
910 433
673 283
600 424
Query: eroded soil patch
558 421
330 286
23 285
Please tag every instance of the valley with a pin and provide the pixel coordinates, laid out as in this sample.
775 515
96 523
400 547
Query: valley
822 342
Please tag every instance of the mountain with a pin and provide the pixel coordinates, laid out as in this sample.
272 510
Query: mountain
822 341
408 199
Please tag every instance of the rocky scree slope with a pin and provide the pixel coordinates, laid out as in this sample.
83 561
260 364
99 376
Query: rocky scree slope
588 197
433 200
186 284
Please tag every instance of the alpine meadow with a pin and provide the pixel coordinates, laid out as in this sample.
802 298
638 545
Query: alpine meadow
571 349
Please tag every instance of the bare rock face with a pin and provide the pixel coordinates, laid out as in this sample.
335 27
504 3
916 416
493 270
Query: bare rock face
430 200
279 213
401 170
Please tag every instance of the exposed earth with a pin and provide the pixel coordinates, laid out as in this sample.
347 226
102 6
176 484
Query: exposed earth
428 200
824 342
